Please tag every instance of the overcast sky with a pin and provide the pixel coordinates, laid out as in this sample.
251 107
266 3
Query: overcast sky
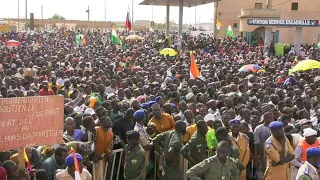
116 10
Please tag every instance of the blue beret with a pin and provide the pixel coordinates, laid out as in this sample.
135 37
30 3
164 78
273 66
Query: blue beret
173 105
70 161
138 115
158 98
145 86
150 103
144 105
275 125
234 121
313 151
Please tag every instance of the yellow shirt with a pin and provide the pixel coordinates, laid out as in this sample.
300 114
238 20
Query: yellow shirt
165 123
104 141
191 130
273 148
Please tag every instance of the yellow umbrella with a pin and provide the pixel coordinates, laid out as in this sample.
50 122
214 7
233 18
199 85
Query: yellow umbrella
134 38
168 51
306 65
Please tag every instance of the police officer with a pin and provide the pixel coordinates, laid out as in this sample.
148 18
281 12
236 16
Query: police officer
218 167
279 153
241 142
222 135
172 144
135 157
309 170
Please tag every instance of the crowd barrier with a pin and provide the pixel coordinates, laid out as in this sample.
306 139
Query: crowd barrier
103 173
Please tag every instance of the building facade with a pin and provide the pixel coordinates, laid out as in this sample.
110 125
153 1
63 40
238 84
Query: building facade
240 12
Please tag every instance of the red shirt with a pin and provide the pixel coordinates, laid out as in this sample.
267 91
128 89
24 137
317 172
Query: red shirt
42 92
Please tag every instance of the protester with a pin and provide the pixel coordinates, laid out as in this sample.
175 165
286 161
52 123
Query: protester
110 89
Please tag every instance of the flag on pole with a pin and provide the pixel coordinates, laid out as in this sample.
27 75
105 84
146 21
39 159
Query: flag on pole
114 36
76 164
128 22
194 70
229 31
27 160
218 26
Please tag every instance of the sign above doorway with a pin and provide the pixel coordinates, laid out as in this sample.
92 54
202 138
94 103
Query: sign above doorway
283 22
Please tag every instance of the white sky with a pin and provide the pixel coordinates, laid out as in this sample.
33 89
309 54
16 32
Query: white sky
116 10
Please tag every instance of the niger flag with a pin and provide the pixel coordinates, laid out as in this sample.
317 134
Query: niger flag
194 70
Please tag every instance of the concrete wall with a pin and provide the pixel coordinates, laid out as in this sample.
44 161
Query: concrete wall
307 9
229 10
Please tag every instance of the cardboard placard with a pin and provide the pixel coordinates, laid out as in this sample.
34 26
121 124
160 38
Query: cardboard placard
31 121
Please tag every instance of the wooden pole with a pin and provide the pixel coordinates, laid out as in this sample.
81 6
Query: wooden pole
21 160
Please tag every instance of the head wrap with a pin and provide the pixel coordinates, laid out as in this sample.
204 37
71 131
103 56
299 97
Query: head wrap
234 121
189 96
209 117
309 132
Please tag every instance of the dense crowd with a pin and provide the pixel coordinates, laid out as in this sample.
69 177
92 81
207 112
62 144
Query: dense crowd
226 124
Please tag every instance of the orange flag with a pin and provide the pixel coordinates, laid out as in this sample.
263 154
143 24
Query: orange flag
194 70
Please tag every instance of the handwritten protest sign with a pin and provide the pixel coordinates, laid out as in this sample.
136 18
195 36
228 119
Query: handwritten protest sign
31 121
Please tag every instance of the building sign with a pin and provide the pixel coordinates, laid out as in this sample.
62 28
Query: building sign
283 22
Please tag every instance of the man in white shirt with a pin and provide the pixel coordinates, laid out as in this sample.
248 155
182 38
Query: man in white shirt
69 172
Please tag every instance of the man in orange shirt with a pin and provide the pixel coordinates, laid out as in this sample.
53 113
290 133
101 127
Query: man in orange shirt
104 141
309 140
163 121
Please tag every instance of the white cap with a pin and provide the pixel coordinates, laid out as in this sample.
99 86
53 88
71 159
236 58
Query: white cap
189 96
309 132
209 117
110 95
89 111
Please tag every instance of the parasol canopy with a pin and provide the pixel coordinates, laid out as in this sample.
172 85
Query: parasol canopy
13 43
306 65
168 51
134 38
251 67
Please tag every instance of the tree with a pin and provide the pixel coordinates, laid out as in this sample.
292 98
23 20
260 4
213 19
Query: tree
57 17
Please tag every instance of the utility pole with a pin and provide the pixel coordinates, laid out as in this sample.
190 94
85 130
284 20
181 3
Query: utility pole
88 11
132 15
215 19
105 14
26 26
195 17
42 18
18 15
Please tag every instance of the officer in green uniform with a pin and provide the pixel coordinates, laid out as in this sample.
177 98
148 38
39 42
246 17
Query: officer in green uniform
195 149
222 135
172 144
309 170
218 167
135 157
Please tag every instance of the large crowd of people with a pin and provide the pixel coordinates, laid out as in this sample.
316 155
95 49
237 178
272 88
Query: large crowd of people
131 113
